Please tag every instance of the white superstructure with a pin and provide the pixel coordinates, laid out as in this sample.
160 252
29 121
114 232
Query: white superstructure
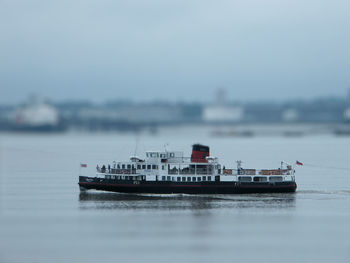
173 166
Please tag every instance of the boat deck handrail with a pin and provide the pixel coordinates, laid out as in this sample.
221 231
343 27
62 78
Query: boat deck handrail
257 172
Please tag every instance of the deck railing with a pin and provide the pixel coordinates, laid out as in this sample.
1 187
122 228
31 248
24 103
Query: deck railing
257 172
203 171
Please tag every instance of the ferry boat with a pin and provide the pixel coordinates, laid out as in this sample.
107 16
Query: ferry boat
166 172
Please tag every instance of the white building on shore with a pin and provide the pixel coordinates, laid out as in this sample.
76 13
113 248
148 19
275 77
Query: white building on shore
221 111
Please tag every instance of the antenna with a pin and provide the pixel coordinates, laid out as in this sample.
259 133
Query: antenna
136 144
239 164
166 147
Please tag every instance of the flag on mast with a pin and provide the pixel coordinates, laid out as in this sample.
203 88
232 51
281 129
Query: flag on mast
299 163
84 165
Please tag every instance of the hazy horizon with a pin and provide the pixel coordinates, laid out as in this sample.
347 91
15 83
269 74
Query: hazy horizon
179 51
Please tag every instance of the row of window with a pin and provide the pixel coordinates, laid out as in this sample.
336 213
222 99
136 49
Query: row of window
123 177
139 166
171 167
260 179
187 178
164 178
159 155
196 178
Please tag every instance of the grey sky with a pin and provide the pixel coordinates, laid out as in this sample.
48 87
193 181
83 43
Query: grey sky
174 50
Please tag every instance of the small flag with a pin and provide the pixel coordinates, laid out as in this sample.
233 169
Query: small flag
84 165
299 163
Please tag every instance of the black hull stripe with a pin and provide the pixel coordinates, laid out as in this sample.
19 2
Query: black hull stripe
156 185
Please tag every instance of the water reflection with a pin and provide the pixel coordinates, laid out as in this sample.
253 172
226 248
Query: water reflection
104 200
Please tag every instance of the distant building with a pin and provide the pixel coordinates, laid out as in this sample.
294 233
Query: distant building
347 110
35 115
139 114
222 111
347 114
290 115
225 113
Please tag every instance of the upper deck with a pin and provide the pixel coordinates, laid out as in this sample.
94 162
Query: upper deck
173 166
157 162
161 163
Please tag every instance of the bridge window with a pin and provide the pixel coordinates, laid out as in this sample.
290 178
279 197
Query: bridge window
193 179
139 166
143 166
123 166
183 179
276 179
129 166
209 178
172 169
179 179
199 179
244 178
163 178
168 178
187 169
202 169
204 178
154 167
188 179
148 167
260 179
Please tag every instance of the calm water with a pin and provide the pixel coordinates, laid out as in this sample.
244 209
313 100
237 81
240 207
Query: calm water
44 217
